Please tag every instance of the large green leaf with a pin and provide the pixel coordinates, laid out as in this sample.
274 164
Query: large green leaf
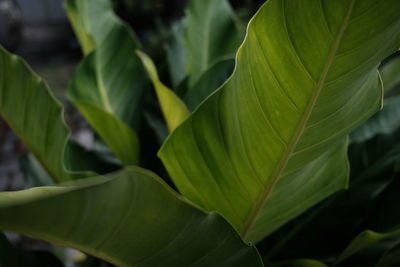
130 218
278 127
35 115
108 85
211 35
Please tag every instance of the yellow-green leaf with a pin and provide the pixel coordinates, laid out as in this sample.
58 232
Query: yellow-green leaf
172 107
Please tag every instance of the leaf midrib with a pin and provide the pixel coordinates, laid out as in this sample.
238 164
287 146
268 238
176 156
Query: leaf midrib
247 226
100 83
103 91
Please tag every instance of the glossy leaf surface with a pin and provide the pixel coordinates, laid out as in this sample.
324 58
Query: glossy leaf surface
278 127
130 218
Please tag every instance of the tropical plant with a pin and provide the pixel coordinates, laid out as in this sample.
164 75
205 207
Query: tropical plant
259 159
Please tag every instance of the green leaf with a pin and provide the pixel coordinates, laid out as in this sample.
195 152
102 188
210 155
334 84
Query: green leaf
385 121
35 115
368 239
211 35
390 73
299 263
211 79
129 218
173 109
108 85
92 32
34 174
325 230
379 247
390 258
278 127
175 50
76 158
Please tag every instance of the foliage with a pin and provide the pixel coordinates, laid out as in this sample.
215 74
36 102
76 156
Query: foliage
260 159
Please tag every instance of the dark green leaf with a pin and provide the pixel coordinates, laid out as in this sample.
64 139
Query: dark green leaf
371 242
211 79
130 218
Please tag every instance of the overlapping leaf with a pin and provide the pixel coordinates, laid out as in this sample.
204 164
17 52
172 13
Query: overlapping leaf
387 120
366 242
384 122
175 50
390 73
211 35
172 107
199 53
129 218
108 85
208 82
278 127
324 231
34 115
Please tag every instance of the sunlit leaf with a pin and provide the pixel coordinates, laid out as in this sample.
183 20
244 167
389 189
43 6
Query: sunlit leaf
273 138
173 108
